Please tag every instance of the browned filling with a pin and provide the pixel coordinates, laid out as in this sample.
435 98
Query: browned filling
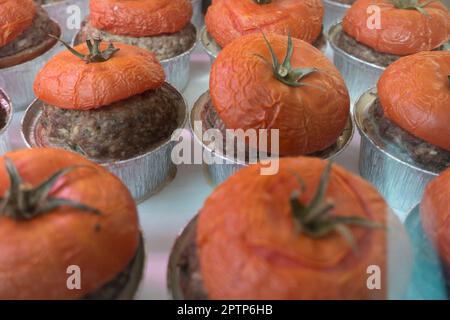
350 2
404 145
191 281
165 46
46 1
363 52
3 117
119 131
114 288
212 120
31 43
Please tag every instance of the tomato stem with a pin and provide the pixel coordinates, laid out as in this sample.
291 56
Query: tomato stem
412 5
262 1
315 219
95 54
284 72
24 202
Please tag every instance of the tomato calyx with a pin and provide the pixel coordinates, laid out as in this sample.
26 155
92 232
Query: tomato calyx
284 72
24 202
95 54
412 5
262 1
448 78
315 220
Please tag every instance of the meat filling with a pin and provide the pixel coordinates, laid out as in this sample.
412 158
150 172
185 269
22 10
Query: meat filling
119 131
349 2
363 52
164 46
46 1
112 289
190 273
32 37
403 144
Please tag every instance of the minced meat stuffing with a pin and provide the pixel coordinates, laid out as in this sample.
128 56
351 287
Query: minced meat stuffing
363 52
350 2
112 289
48 1
32 37
3 116
165 46
119 131
403 144
191 280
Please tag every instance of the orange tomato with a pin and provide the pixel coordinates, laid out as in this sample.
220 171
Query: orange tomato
249 248
68 82
247 95
227 20
401 31
415 94
35 253
15 17
140 18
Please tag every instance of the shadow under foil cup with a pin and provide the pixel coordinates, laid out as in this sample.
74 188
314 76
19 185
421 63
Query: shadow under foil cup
145 174
213 49
6 106
358 74
399 180
219 172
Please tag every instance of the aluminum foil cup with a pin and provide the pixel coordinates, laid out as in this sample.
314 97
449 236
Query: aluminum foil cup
177 69
197 17
213 49
5 104
67 13
334 12
358 74
18 80
210 46
144 175
401 183
217 173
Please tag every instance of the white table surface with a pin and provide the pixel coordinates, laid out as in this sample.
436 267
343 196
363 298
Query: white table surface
164 215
